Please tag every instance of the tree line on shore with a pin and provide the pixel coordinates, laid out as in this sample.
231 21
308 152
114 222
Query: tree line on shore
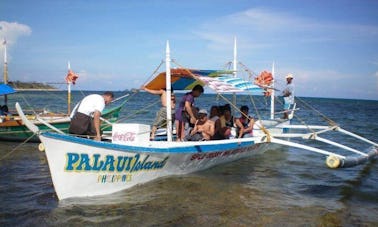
30 85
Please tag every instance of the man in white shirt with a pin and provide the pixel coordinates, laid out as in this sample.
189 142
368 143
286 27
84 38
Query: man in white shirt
85 118
288 94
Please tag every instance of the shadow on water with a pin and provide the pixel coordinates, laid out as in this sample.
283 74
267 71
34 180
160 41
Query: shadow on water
348 191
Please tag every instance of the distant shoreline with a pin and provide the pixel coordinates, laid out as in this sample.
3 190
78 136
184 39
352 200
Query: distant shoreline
31 86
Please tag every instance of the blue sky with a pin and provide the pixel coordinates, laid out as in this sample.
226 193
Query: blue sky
331 47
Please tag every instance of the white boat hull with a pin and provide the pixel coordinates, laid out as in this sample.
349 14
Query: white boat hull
82 167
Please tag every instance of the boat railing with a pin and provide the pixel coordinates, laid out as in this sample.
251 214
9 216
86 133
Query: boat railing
333 160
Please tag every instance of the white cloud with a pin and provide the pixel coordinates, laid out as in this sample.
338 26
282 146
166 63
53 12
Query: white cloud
265 28
304 45
11 31
329 83
266 20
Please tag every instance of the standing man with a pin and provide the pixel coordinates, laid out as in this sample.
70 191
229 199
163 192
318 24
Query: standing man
186 111
85 118
161 115
288 94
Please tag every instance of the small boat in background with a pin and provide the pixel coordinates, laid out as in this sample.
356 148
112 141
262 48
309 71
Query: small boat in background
12 127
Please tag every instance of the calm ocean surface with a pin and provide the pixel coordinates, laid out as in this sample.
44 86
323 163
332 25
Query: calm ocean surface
282 187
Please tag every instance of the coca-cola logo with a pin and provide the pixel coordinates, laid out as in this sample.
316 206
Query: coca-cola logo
126 136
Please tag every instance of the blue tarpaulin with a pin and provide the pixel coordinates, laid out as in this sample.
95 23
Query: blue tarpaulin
6 89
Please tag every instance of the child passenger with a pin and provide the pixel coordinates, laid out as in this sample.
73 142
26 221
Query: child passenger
244 124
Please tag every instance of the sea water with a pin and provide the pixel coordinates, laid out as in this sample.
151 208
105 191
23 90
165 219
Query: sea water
282 187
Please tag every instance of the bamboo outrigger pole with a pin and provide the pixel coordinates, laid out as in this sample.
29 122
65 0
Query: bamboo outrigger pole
272 108
69 91
168 91
234 68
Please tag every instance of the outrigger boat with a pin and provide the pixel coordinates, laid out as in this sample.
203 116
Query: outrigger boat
82 167
13 129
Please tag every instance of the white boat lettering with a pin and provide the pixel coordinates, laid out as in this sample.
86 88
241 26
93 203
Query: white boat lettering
110 163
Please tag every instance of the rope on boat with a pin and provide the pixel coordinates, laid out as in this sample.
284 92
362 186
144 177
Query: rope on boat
154 72
30 106
119 98
25 131
55 95
330 121
249 71
133 114
251 76
18 146
261 126
333 160
228 65
302 121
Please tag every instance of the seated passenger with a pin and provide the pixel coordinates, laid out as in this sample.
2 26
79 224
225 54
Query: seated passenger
214 116
4 110
188 126
244 124
203 128
227 122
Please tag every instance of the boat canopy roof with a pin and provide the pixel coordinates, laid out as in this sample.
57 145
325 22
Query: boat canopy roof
6 89
221 81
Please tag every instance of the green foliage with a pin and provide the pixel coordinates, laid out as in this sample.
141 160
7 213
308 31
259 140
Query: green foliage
29 85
